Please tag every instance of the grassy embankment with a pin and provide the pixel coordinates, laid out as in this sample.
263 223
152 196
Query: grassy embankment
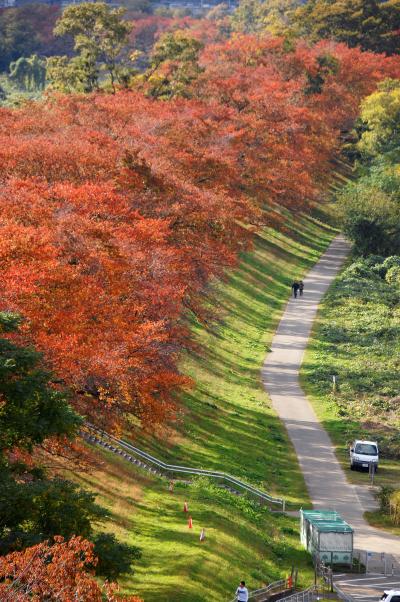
356 336
227 425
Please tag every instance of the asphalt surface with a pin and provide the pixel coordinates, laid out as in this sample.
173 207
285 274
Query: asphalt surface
365 588
325 478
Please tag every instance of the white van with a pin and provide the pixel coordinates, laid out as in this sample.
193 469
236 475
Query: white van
364 453
391 595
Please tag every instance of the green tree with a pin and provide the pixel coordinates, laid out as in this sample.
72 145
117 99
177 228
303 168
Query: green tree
174 66
79 74
29 73
371 217
248 16
60 507
100 39
380 115
31 410
34 508
42 508
274 16
370 24
115 557
218 12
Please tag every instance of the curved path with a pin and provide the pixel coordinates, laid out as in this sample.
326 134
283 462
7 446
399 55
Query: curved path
324 476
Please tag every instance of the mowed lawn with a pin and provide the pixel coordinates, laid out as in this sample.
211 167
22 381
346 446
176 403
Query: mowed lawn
243 540
227 424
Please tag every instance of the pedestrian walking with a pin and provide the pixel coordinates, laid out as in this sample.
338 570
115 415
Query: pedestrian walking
242 593
295 288
301 288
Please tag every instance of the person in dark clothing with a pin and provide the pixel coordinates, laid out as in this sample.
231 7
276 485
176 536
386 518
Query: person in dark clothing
301 288
295 288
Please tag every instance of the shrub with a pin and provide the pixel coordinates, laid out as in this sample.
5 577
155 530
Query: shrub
393 275
360 269
390 262
394 506
383 496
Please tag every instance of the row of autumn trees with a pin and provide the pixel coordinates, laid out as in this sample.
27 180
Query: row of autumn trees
117 213
118 210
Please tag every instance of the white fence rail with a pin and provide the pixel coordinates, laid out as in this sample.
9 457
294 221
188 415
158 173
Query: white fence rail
133 454
265 592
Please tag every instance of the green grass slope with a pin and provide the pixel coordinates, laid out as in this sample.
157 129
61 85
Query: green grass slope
227 424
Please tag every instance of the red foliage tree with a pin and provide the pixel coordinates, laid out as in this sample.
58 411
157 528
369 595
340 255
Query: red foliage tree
288 135
117 210
60 571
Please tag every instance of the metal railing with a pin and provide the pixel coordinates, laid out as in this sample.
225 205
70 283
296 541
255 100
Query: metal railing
265 592
96 435
306 595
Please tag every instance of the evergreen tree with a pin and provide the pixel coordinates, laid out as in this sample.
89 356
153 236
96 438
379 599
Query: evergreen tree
369 24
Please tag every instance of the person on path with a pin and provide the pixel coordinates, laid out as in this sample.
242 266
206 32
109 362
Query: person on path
301 288
242 592
295 288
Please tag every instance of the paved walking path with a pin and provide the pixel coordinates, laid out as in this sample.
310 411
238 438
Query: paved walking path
325 478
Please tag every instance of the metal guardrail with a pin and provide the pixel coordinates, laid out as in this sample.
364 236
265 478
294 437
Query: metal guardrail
306 595
96 435
271 589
